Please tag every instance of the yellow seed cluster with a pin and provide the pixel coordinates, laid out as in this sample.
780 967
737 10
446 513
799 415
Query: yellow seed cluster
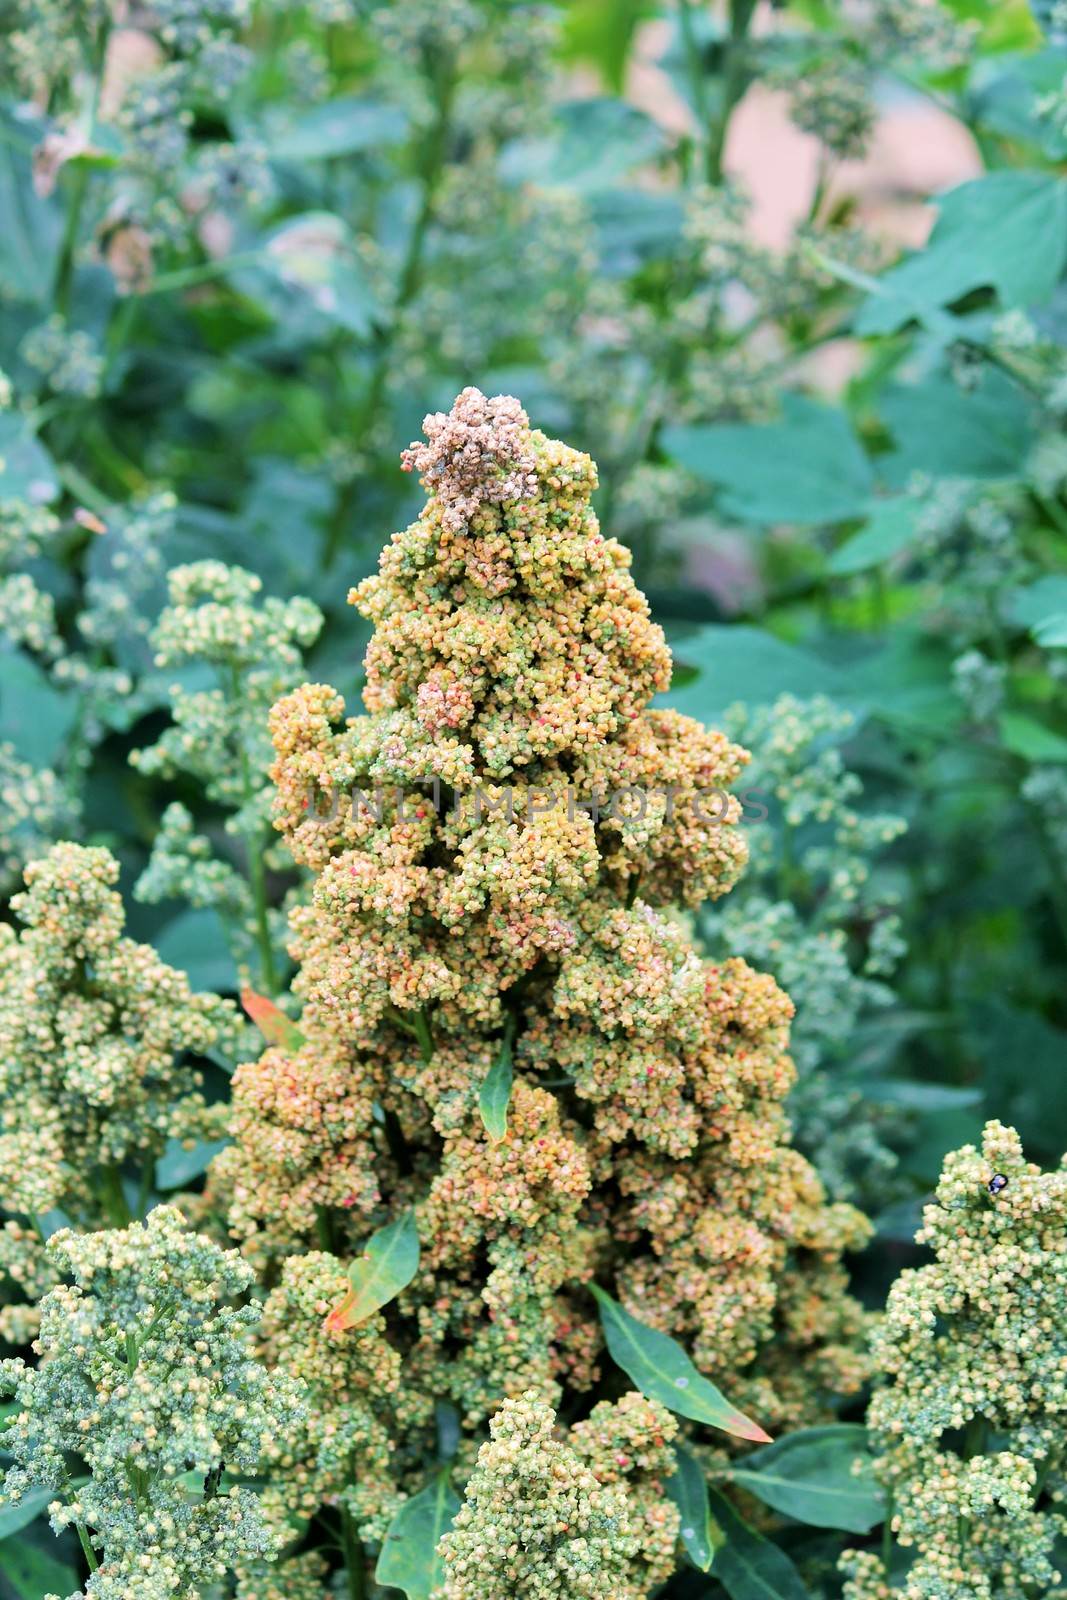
497 844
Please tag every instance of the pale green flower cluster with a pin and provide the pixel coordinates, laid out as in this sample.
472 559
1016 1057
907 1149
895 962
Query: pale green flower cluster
35 808
253 650
94 1030
146 1408
969 1427
547 1519
815 870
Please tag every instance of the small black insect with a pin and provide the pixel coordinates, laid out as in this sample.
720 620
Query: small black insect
997 1182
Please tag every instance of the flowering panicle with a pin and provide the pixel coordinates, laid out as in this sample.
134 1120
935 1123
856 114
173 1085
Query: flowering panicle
94 1031
497 844
148 1383
219 737
818 907
549 1518
969 1424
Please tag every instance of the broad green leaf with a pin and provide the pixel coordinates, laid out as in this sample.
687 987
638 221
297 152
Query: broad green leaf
15 1517
601 32
736 662
32 1572
983 238
1006 95
387 1265
810 1476
27 471
340 127
178 1166
273 1024
916 1096
1051 632
310 264
195 942
889 528
660 1368
748 1566
409 1559
808 467
1031 740
596 142
32 225
1022 1057
688 1489
495 1095
985 432
35 716
1034 602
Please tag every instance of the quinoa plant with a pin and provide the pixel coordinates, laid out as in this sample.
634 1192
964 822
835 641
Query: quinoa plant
505 1027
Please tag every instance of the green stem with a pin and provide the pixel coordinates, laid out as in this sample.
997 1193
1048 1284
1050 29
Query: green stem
113 1198
733 85
694 62
79 486
254 844
423 1033
887 1534
355 1560
324 1230
86 1544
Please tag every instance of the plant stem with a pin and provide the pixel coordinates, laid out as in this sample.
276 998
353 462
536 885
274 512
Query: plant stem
423 1033
355 1561
113 1198
257 877
86 1544
733 85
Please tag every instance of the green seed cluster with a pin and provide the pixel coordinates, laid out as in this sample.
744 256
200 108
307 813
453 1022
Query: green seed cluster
94 1032
146 1404
969 1425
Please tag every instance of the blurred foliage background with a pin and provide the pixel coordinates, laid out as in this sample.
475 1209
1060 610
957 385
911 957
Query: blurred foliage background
792 273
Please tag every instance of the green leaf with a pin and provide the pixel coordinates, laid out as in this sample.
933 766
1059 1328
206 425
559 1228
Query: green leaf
309 264
1031 740
32 1573
808 467
15 1517
809 1476
735 662
341 127
387 1265
1031 604
27 471
984 432
1051 632
983 238
195 942
688 1489
495 1093
409 1559
32 226
35 716
178 1166
747 1565
660 1368
597 141
889 529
